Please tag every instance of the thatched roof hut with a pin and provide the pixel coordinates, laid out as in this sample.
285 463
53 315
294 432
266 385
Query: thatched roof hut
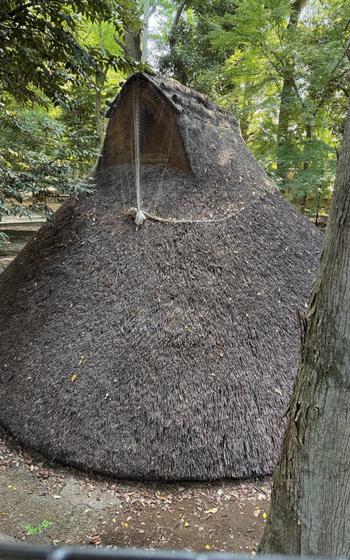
165 351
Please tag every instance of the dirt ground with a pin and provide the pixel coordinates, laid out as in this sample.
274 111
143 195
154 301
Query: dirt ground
50 504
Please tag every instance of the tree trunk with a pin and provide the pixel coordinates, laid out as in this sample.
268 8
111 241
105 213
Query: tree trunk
133 44
145 30
310 506
284 118
244 122
99 83
287 94
306 164
180 69
318 206
99 119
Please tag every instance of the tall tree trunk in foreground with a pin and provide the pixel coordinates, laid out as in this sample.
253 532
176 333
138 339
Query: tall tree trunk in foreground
310 507
287 94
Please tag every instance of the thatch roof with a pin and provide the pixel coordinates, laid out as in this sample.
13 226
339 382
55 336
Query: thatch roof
166 351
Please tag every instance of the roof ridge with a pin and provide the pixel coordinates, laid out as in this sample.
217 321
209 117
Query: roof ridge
181 98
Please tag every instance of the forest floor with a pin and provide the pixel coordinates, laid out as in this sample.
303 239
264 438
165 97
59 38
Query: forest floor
42 503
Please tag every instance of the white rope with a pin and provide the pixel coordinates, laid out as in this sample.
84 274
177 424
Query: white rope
141 215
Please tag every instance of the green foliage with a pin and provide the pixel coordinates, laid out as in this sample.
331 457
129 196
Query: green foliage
33 530
40 50
39 155
58 63
245 53
192 57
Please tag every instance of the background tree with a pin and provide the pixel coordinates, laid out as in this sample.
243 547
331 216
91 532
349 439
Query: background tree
287 69
40 50
59 62
284 67
310 511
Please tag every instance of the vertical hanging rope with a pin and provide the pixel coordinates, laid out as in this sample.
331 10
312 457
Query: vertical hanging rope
140 217
136 107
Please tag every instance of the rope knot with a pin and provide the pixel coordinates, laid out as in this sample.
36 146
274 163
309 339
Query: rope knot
138 215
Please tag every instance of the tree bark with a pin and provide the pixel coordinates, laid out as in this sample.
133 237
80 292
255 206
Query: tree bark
306 164
99 83
287 94
180 70
99 119
132 45
244 121
310 506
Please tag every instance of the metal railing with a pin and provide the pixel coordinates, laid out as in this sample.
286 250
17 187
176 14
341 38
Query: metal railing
39 552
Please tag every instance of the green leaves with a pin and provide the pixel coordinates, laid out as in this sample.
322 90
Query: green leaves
242 52
39 156
40 51
33 530
55 54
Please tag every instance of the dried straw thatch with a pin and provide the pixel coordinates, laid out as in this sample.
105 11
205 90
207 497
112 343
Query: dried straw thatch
166 351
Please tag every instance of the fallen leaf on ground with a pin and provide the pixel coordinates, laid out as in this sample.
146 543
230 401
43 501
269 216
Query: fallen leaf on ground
95 539
213 510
